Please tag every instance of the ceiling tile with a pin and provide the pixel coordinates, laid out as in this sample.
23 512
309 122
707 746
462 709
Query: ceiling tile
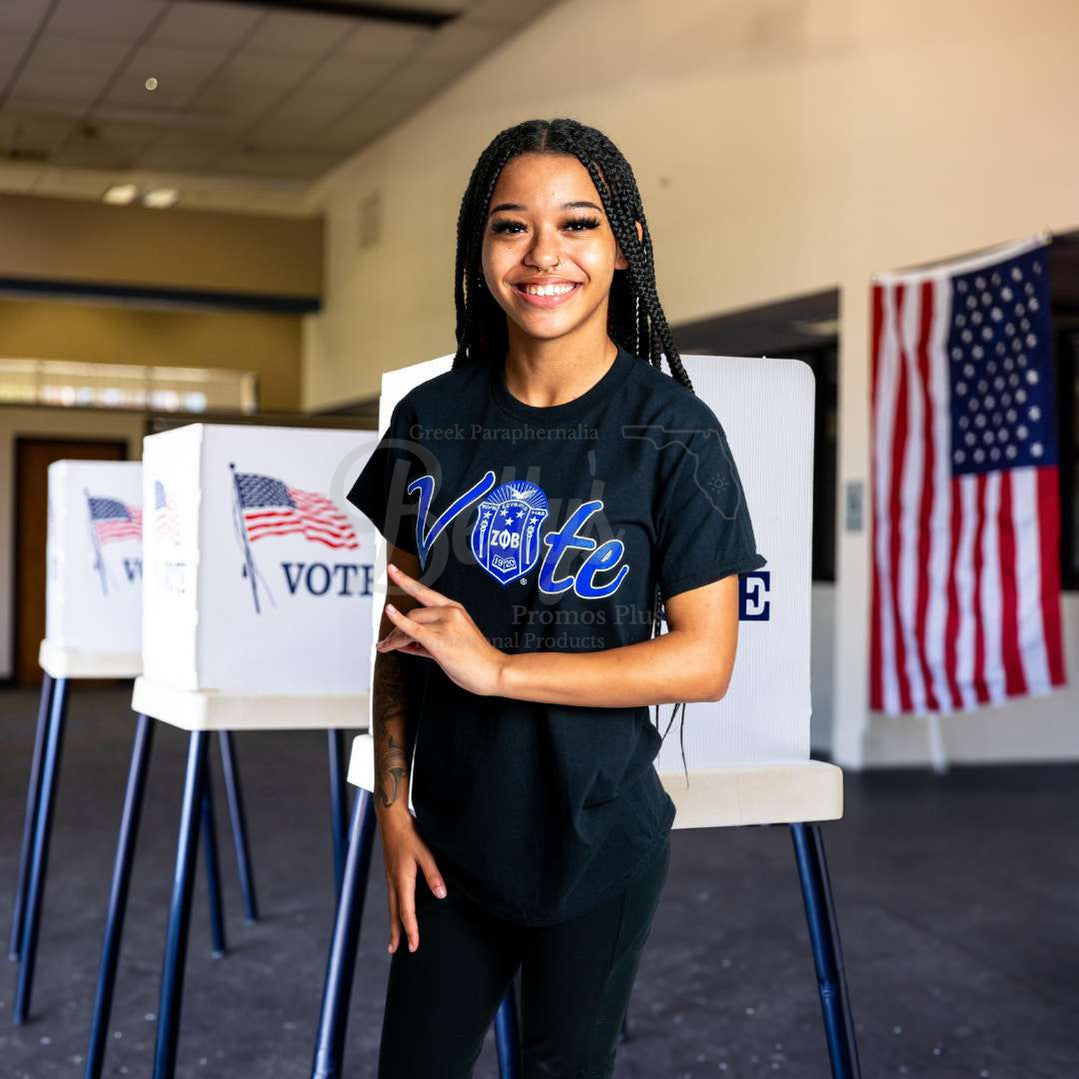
372 39
220 25
125 20
180 72
304 35
22 14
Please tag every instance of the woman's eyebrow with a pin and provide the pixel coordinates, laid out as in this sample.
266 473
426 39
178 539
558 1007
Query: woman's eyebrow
565 206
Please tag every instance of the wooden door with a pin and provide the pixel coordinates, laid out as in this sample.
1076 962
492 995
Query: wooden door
32 459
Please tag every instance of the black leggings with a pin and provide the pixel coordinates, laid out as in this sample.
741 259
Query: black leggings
576 981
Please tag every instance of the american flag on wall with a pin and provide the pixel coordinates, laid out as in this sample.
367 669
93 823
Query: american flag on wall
114 520
273 508
165 519
965 498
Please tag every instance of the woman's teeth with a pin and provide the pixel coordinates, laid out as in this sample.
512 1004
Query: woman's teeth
548 290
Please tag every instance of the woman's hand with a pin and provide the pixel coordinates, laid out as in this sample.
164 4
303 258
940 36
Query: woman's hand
442 630
405 854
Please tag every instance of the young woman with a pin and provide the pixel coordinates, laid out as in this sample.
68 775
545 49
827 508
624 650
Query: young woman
541 500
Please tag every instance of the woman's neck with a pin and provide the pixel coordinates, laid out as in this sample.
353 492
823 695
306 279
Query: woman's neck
546 373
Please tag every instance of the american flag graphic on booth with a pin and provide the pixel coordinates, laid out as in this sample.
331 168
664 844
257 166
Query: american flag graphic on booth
165 520
965 497
114 520
272 508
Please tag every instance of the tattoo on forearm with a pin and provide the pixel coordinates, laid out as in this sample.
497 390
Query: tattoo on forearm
389 718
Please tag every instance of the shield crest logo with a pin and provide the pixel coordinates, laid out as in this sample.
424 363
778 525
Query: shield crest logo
506 536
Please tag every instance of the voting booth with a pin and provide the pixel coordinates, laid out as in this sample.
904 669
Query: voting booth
747 755
258 573
93 609
256 615
93 580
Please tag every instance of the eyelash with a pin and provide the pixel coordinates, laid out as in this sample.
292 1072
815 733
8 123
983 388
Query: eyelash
587 222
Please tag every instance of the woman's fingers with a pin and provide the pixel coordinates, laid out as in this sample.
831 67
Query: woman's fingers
406 898
395 925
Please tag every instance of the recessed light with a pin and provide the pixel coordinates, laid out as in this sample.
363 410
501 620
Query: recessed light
121 194
151 83
161 198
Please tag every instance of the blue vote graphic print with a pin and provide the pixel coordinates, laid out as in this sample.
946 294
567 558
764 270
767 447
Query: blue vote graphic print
506 536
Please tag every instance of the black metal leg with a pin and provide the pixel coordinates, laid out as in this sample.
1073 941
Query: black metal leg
29 824
827 953
121 879
213 873
42 833
507 1036
338 805
337 988
172 974
234 795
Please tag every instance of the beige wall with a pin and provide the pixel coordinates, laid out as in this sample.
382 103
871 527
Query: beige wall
270 345
781 147
78 240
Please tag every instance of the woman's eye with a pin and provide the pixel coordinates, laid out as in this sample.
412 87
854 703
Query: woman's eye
576 224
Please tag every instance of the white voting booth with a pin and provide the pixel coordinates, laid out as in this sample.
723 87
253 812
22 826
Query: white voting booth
93 583
93 610
258 578
256 615
748 755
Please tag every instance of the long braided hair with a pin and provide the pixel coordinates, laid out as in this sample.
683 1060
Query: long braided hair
635 319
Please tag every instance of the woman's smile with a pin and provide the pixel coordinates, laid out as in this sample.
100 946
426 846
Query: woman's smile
551 295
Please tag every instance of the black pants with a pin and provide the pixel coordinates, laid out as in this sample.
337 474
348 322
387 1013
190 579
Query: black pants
576 981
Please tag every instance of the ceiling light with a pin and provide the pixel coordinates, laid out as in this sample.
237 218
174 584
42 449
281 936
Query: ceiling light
161 198
121 194
151 83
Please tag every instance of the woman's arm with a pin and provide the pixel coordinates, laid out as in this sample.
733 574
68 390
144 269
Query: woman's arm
388 708
691 662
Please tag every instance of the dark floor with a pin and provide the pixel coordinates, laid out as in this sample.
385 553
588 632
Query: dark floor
957 898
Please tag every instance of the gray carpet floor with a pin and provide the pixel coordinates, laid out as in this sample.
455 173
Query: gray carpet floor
957 898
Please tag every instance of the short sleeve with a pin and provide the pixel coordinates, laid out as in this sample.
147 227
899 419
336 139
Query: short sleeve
704 531
380 492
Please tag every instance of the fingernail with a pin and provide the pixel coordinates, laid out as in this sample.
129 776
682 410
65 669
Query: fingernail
411 946
391 607
391 566
389 947
440 891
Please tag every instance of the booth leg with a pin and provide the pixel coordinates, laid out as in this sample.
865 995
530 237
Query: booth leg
507 1035
50 765
29 823
337 988
213 872
121 879
338 805
172 974
827 953
234 795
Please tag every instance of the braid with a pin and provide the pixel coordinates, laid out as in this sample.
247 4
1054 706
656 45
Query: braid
635 318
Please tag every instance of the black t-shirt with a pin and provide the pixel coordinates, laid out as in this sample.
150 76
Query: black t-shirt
552 526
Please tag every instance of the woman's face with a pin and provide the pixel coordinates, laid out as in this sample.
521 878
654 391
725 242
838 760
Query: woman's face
546 223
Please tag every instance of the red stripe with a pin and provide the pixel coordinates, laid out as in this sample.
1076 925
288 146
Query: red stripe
981 690
1049 553
876 689
898 451
925 506
951 624
1015 683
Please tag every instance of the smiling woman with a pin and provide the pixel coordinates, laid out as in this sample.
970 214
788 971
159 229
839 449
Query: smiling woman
586 485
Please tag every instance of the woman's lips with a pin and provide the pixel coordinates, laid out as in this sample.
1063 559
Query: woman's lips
546 301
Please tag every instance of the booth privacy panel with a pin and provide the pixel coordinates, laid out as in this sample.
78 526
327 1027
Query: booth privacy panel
766 409
258 579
